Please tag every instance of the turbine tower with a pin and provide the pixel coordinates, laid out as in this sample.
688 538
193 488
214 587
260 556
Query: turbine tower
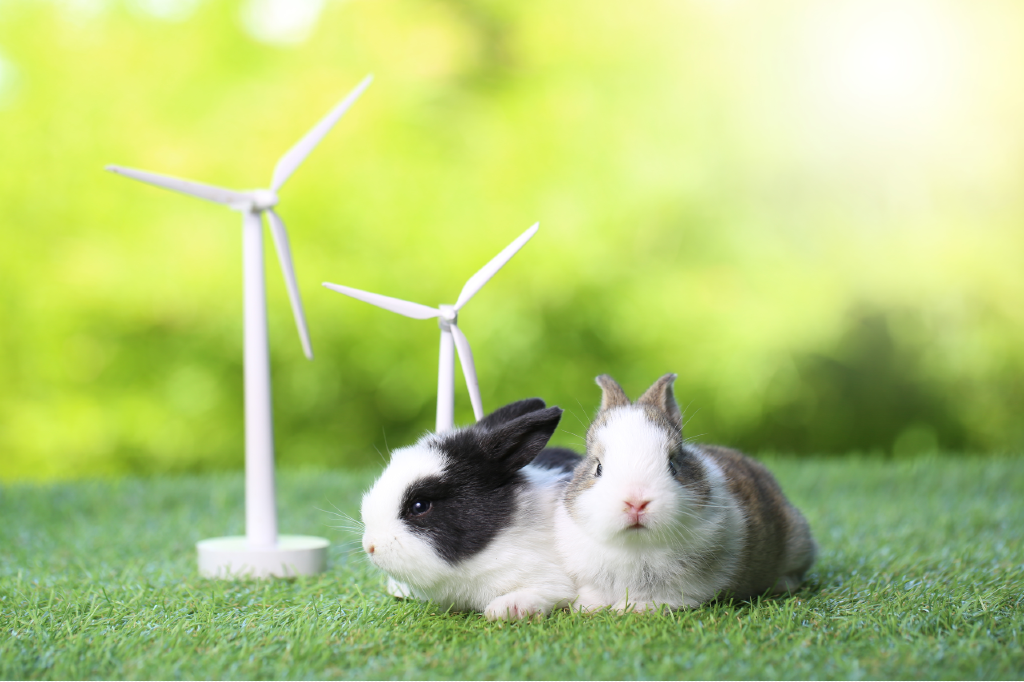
261 551
452 337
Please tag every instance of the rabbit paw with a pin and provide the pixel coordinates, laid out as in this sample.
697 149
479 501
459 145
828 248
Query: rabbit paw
516 606
397 589
589 601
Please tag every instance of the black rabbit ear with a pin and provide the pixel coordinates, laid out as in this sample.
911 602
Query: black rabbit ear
660 397
612 394
510 412
516 443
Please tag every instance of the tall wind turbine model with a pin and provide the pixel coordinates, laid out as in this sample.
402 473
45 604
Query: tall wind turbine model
450 333
261 551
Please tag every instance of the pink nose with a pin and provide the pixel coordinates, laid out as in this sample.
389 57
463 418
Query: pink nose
635 510
370 549
636 506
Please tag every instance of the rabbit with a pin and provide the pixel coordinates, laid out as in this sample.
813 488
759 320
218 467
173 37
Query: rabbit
649 520
464 518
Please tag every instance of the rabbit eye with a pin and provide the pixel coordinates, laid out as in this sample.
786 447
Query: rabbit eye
672 468
419 507
597 471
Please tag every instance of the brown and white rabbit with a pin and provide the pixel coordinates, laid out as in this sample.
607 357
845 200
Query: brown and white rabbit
650 520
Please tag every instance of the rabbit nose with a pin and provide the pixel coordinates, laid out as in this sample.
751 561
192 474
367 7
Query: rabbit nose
637 505
635 510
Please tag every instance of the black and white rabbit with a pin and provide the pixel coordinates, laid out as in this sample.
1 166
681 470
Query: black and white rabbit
465 518
650 520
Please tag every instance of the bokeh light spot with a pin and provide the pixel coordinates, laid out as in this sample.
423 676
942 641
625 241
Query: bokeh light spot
8 81
166 10
893 65
281 22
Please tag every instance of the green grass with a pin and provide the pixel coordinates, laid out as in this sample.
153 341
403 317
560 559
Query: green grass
920 575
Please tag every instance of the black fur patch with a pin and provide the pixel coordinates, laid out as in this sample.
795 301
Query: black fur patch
476 496
558 459
505 414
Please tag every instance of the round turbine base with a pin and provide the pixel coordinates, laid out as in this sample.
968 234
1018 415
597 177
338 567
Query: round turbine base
232 557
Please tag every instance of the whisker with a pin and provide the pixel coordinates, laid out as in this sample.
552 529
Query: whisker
350 536
340 515
350 529
355 528
337 512
687 422
691 515
349 545
585 426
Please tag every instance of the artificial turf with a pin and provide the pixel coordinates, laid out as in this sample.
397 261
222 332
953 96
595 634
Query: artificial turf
921 574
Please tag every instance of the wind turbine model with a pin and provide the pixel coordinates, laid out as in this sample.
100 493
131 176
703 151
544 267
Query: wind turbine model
450 332
261 551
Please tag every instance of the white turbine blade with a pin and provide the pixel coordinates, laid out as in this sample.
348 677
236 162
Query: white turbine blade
469 369
196 189
297 154
284 255
477 281
395 305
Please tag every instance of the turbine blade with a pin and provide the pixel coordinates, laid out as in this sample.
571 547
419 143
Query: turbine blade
284 255
297 154
469 369
195 189
395 305
477 281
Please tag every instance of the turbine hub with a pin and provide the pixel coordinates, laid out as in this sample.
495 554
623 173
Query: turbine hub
448 317
262 199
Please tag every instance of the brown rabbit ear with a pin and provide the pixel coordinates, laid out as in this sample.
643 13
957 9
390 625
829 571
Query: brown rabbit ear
660 397
612 394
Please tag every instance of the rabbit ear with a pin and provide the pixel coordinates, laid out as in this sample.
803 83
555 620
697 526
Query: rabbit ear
514 444
510 412
660 397
612 394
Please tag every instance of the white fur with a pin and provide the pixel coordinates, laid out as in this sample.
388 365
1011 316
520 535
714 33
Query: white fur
404 556
684 556
515 576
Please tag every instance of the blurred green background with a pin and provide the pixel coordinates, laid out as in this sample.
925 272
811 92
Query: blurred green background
810 210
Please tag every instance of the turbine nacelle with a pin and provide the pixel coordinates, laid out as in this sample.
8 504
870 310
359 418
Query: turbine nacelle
262 200
449 316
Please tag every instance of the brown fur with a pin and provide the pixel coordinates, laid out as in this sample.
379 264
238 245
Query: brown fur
612 394
691 473
582 480
660 397
775 555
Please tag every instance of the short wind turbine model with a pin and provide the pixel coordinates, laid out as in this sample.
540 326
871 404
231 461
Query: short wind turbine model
261 551
451 335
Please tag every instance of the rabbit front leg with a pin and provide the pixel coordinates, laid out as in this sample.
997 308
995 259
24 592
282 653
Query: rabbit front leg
590 599
518 605
398 590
